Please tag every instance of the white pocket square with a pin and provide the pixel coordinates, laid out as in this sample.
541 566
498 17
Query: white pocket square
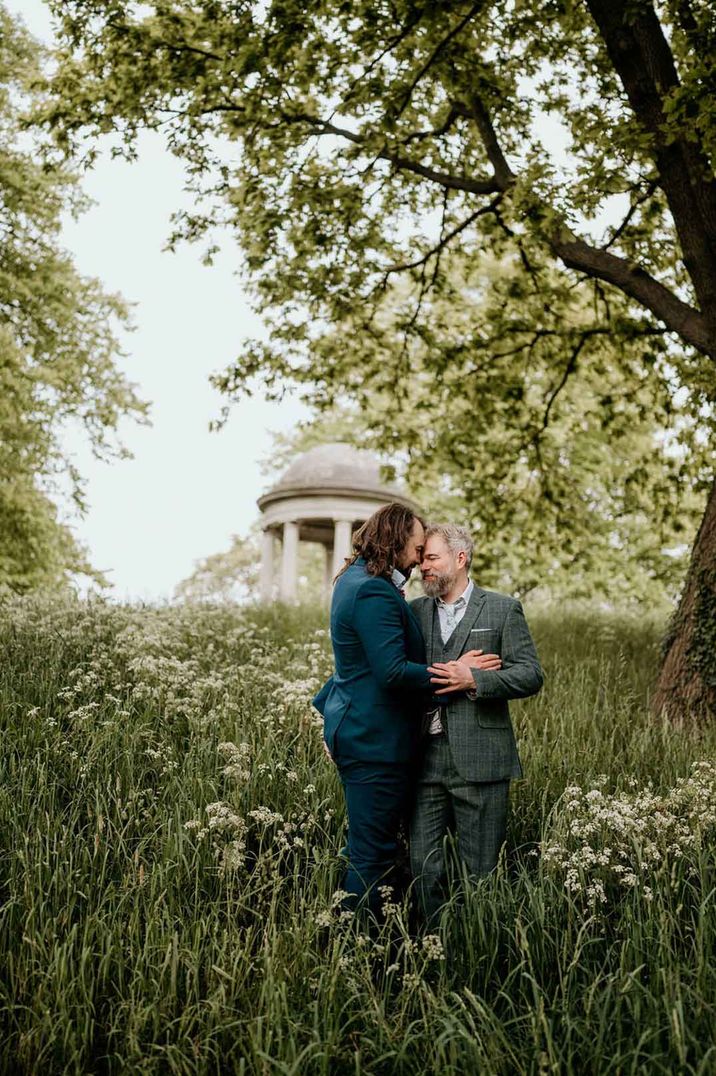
482 629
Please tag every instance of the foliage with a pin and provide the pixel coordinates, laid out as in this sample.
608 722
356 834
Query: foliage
224 576
58 343
375 137
233 575
350 117
384 149
170 830
580 486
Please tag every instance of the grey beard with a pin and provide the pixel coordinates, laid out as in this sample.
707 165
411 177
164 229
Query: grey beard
435 588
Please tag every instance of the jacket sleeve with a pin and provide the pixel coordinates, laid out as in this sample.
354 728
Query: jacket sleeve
378 621
521 673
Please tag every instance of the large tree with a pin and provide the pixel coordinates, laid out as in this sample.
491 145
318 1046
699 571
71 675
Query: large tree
377 136
58 345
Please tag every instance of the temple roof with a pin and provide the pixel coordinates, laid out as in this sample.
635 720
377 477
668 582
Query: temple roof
338 469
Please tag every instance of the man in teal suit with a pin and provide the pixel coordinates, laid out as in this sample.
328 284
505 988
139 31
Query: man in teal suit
470 753
373 704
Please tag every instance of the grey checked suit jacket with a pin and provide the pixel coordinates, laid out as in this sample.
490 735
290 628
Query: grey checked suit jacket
480 732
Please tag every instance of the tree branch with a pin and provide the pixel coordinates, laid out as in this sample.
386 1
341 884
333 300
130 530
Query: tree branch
173 46
574 252
630 278
433 57
568 371
444 179
434 132
503 173
392 43
642 58
634 281
540 334
636 204
444 241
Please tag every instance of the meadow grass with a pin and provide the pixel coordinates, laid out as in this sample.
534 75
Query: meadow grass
169 839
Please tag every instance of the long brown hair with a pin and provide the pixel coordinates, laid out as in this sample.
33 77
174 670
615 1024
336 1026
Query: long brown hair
382 538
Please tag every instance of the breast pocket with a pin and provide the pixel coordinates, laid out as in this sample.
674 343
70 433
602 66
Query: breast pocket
487 639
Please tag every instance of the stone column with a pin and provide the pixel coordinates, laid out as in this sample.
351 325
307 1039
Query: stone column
342 543
266 579
289 563
328 574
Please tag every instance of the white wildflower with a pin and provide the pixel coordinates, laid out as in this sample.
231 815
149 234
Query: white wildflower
236 757
265 816
629 837
433 947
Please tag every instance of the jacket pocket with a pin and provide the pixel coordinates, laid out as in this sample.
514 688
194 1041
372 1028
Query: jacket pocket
493 714
488 640
334 714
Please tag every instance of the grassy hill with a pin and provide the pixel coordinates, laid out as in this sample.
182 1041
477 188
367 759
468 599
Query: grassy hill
169 839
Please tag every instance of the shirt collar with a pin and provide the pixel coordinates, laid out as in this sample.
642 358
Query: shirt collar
466 594
397 578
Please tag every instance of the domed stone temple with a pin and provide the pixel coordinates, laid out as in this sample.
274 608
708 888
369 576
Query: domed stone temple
324 496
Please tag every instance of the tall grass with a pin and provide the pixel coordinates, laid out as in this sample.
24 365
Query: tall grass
141 932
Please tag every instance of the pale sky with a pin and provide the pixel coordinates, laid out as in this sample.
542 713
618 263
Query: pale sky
187 490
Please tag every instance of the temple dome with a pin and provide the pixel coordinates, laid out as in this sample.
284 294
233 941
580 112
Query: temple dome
336 468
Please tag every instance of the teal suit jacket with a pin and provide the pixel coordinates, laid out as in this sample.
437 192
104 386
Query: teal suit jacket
372 705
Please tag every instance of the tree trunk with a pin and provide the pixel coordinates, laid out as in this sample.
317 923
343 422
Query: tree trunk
641 55
686 688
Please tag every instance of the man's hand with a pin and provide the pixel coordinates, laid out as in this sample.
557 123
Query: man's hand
451 676
478 659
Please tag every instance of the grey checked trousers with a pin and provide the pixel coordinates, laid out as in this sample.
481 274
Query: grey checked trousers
475 813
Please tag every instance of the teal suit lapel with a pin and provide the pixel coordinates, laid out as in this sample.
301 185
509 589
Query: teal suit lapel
462 631
425 614
432 630
416 621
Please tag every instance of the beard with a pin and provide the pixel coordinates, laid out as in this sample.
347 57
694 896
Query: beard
439 584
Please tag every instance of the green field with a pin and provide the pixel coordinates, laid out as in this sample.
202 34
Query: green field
169 830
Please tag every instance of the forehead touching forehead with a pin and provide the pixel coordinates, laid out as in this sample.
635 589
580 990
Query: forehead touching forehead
436 545
452 538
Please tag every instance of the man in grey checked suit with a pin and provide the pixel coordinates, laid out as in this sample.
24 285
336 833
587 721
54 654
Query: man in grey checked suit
470 753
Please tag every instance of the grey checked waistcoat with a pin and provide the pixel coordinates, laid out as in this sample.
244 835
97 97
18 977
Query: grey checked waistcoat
437 646
480 734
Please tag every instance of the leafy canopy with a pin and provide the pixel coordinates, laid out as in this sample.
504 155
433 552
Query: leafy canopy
577 485
373 135
58 342
491 227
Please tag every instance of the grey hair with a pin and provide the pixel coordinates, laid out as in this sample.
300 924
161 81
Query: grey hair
456 537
